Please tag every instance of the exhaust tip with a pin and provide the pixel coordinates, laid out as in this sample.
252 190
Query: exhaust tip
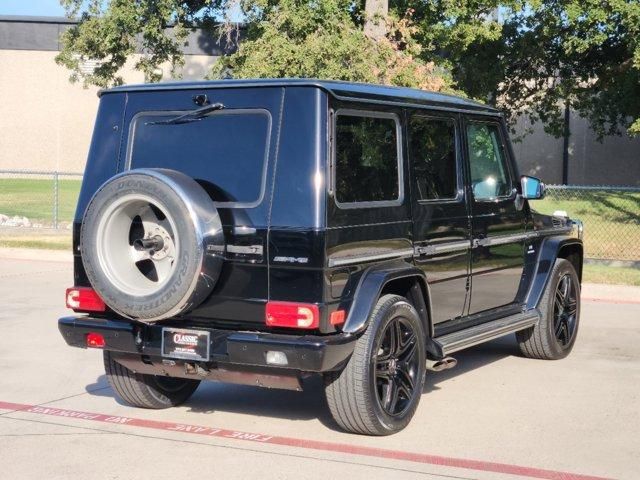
441 364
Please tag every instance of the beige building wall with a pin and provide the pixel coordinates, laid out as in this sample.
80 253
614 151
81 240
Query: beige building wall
46 122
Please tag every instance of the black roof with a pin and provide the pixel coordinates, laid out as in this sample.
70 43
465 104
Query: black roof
340 90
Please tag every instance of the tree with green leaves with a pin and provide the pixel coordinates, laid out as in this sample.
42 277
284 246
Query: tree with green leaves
526 57
534 57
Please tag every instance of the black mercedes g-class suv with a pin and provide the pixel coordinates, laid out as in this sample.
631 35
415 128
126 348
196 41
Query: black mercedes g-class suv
259 232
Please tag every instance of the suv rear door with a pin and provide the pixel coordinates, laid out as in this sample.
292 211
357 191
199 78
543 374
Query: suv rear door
230 153
498 225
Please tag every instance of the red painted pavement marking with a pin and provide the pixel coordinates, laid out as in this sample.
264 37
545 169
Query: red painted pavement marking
478 465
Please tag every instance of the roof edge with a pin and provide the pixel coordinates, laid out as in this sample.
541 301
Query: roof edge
337 88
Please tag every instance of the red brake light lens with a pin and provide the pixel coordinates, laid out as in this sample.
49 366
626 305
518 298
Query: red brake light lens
84 299
292 315
95 340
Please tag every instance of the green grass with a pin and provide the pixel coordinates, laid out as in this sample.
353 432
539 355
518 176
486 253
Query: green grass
611 275
37 240
34 198
611 220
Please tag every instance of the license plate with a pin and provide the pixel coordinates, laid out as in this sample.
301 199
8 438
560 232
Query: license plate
185 344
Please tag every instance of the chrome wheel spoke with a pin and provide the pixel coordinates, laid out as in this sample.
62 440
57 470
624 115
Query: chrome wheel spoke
139 255
163 267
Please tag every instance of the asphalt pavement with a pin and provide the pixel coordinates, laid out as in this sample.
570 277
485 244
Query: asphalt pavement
496 415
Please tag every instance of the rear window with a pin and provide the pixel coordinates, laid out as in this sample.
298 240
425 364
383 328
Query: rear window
226 152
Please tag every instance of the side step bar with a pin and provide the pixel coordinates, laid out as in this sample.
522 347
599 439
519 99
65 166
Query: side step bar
484 332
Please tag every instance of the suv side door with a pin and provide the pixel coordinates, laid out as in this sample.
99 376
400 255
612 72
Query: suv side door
498 222
441 231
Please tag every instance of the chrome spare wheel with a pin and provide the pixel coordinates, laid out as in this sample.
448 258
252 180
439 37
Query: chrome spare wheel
137 243
152 244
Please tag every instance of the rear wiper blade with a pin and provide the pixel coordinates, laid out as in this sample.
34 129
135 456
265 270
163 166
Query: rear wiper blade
192 116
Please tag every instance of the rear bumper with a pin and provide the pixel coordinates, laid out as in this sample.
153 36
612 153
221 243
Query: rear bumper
307 353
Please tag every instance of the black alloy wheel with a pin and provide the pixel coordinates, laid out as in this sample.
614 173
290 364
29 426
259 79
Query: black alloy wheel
553 337
378 391
396 366
565 310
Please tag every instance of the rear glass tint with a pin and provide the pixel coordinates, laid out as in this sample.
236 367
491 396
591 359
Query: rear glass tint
433 154
225 152
366 157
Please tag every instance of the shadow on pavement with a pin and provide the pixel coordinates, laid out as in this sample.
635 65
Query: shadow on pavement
472 358
310 403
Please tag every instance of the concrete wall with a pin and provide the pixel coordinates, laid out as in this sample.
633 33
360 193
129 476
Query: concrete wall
614 161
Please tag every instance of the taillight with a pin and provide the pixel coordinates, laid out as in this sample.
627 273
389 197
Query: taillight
292 315
84 299
95 340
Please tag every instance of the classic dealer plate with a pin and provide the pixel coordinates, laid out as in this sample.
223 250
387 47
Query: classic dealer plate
185 344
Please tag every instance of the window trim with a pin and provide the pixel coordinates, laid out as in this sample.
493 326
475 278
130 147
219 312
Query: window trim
459 196
506 159
237 111
349 112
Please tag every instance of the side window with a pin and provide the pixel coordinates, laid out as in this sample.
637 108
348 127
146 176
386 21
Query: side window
489 175
433 155
366 158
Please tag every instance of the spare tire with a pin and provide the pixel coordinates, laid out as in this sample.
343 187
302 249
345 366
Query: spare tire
152 244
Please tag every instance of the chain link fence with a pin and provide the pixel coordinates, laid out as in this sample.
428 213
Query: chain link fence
611 215
31 199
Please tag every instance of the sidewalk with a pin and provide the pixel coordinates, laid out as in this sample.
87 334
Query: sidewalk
590 291
35 254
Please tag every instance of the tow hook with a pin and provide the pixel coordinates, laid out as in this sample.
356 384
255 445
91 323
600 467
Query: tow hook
441 364
195 369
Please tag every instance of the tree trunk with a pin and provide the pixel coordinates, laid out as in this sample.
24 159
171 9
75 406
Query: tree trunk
375 14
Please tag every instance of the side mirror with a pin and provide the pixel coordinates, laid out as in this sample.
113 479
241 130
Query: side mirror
532 188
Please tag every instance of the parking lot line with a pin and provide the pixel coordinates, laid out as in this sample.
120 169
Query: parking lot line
478 465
